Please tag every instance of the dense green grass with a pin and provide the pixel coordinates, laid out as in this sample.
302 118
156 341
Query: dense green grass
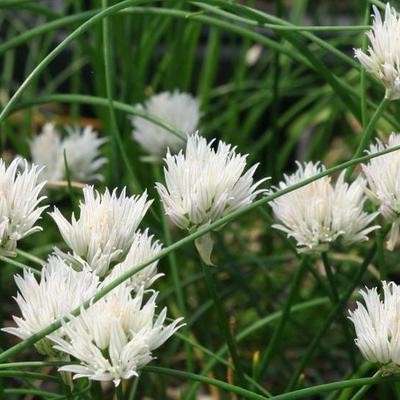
306 98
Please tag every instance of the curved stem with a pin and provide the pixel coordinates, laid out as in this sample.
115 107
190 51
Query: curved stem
175 274
223 320
297 394
367 134
361 392
330 317
335 300
119 393
273 343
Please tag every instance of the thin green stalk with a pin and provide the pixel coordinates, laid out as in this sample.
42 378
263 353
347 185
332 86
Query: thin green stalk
116 136
28 375
132 392
33 392
32 364
346 393
277 335
223 321
12 351
175 273
99 101
330 317
68 178
381 255
363 89
335 300
367 134
96 391
329 274
297 394
19 265
247 394
30 257
361 392
119 393
224 362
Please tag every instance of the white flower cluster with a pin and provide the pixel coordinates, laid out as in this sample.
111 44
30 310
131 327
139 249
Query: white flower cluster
319 213
60 290
383 58
19 200
377 326
383 175
204 184
115 337
105 229
181 110
81 147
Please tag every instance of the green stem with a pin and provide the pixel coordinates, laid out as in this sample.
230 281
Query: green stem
132 392
274 341
175 274
117 142
361 392
381 255
119 393
98 101
367 134
329 319
335 300
31 257
247 394
28 375
297 394
363 89
223 320
96 390
19 265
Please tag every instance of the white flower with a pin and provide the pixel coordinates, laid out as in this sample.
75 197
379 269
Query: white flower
81 147
115 337
142 249
377 326
319 213
180 110
204 184
383 175
46 151
60 290
105 229
19 199
383 58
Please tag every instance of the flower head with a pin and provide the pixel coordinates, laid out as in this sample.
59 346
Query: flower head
19 199
383 175
377 326
319 213
59 291
142 249
105 230
383 58
204 184
115 337
81 148
181 110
